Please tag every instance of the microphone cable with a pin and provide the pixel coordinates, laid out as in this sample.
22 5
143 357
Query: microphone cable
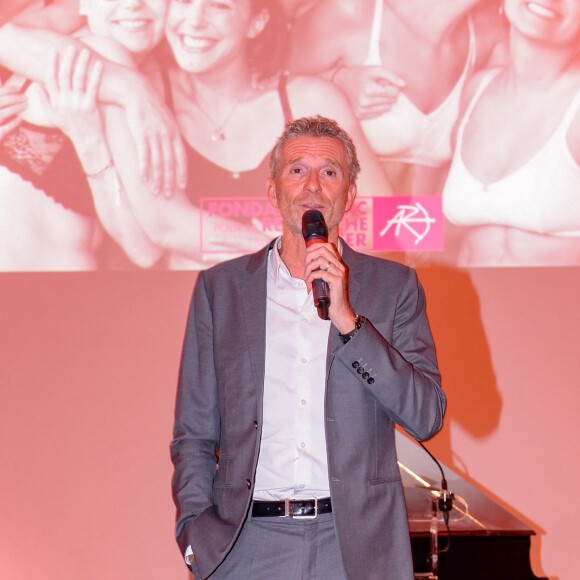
444 502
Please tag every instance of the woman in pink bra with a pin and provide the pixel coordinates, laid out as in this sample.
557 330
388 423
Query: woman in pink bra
515 176
402 64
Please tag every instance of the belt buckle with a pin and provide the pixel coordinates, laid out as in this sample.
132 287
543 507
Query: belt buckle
304 517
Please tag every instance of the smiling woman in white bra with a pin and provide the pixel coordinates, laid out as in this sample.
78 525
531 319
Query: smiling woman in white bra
515 176
403 65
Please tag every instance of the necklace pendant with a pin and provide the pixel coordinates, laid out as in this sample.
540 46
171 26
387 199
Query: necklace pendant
218 135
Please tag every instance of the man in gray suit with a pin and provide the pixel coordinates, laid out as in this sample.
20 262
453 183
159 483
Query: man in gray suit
284 447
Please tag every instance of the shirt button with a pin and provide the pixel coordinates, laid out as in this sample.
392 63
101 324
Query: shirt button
303 402
305 320
303 445
303 361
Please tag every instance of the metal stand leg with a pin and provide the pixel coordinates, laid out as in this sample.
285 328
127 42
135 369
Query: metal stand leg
434 552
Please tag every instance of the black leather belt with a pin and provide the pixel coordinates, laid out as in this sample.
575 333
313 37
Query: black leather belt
292 508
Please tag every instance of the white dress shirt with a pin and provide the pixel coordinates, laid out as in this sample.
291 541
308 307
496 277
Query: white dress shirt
292 461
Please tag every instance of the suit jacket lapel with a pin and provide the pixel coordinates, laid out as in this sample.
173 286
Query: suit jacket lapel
253 291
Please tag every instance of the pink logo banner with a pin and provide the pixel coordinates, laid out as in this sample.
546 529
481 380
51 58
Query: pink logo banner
394 224
373 224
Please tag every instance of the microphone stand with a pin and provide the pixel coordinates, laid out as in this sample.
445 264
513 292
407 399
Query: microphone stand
442 503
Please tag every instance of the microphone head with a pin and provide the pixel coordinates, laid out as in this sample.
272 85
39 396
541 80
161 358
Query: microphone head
314 226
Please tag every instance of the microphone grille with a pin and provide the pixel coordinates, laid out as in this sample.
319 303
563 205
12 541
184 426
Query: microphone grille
313 225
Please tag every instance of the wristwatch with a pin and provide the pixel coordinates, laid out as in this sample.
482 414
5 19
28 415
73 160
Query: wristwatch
358 322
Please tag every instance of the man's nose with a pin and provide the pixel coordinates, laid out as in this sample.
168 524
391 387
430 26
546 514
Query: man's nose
312 183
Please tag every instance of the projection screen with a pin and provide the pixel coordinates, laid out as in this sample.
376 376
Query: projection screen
140 138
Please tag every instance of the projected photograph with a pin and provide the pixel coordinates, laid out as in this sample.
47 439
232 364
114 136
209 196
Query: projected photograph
138 135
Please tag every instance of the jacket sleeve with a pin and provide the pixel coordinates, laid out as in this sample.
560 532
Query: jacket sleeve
394 358
196 437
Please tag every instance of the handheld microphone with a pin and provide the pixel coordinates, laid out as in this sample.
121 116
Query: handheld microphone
315 231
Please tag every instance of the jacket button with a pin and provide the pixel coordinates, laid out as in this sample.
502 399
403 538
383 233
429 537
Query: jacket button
248 483
360 370
365 375
355 364
255 424
370 381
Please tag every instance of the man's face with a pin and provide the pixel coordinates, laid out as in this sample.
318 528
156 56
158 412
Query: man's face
312 174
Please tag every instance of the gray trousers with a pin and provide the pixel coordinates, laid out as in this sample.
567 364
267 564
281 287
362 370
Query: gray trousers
273 548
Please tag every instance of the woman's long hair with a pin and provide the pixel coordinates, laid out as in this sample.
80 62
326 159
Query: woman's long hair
267 51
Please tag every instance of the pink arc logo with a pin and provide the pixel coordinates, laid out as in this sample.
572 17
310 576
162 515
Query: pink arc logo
408 223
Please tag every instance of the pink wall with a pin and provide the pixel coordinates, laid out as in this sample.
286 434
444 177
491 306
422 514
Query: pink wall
88 371
508 349
88 365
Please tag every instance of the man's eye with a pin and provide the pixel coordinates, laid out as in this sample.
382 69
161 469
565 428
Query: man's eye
296 170
330 172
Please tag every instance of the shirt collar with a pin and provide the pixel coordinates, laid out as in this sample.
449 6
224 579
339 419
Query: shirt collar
275 260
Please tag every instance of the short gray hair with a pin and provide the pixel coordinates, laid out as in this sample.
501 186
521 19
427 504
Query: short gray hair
316 127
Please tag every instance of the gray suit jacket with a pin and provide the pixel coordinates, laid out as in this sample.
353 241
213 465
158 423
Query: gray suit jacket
219 406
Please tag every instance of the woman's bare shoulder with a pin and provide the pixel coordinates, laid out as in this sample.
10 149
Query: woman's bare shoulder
340 10
313 89
312 95
332 21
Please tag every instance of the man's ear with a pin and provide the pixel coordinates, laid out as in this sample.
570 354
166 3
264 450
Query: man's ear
271 192
258 23
350 197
